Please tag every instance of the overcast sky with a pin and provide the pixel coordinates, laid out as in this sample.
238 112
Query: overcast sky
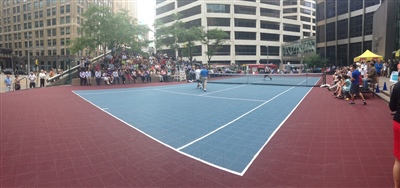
146 11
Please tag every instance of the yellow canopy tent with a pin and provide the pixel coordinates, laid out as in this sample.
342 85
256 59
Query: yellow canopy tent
367 56
397 53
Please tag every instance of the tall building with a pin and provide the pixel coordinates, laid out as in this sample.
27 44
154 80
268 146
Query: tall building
386 29
257 28
42 30
129 5
344 29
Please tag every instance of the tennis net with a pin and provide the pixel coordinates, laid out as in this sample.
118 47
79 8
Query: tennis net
306 79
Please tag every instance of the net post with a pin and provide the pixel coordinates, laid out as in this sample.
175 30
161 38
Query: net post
324 78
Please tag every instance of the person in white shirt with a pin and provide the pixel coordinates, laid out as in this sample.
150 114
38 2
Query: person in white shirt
115 75
97 74
82 75
88 75
32 80
42 77
106 78
197 74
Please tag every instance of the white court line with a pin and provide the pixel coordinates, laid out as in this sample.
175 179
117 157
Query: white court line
226 98
222 90
130 90
276 130
166 145
212 132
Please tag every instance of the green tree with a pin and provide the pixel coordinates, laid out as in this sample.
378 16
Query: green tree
315 61
214 39
188 37
177 35
106 29
168 36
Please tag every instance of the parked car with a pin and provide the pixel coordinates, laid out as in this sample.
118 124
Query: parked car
7 71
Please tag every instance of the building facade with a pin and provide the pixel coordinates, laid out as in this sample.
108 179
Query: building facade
386 34
257 28
344 29
42 30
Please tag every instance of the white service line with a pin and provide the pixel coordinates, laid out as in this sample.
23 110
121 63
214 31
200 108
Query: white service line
212 132
222 90
226 98
129 90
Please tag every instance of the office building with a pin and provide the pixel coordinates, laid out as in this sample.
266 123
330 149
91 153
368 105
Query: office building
344 29
42 30
257 28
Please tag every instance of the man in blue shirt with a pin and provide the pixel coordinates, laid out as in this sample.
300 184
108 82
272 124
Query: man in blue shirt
204 77
7 82
355 84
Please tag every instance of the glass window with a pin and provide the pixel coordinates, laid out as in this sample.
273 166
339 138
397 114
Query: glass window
269 37
290 27
67 8
185 2
67 19
245 23
53 11
271 2
369 3
270 50
320 11
218 22
289 10
218 8
321 34
356 5
290 38
330 32
356 26
330 8
342 7
245 50
368 23
245 10
190 12
165 8
61 9
270 12
62 20
270 25
245 35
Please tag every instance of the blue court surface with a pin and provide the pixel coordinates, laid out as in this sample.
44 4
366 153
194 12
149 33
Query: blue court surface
225 127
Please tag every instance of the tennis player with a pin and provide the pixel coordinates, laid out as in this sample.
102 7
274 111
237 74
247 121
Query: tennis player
267 69
197 74
204 77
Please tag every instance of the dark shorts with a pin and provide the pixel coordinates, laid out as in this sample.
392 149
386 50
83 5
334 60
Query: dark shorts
354 89
396 135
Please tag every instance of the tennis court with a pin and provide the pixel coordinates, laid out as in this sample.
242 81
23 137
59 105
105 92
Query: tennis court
225 127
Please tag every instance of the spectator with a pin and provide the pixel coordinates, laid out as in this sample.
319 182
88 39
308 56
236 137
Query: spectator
42 77
97 74
115 76
8 82
32 80
88 76
17 83
82 76
370 77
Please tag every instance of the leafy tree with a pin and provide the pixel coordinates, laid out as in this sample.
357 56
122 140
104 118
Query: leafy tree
315 61
214 38
168 36
188 37
106 29
177 35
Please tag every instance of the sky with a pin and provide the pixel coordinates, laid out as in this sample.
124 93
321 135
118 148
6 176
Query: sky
146 11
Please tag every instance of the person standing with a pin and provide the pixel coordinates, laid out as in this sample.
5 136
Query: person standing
97 74
197 73
42 77
8 82
82 76
394 105
204 77
355 84
17 83
88 75
32 80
